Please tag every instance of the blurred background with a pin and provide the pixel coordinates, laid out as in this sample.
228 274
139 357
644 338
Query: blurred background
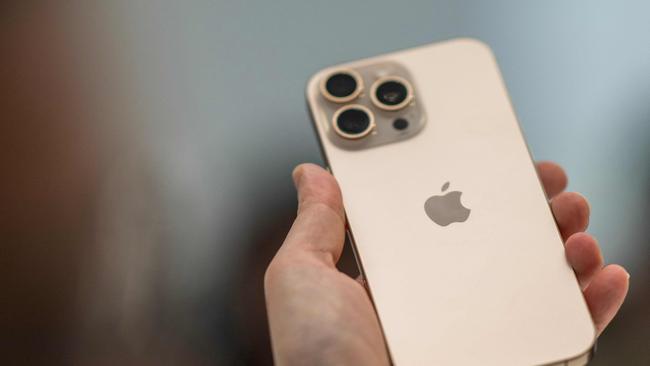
147 148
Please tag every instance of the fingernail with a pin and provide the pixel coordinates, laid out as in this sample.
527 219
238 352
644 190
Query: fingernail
628 275
296 175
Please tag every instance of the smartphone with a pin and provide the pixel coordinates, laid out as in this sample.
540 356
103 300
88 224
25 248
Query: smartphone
447 217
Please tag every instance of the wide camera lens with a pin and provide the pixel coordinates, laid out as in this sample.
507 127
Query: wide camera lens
353 122
391 93
342 86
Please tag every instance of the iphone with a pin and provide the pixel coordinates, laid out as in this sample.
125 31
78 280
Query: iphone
448 219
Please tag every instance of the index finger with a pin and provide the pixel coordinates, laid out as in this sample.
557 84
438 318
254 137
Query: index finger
553 178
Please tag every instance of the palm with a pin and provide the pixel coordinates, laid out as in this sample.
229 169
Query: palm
331 316
319 315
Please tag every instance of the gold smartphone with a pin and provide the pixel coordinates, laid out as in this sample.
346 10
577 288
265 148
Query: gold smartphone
449 221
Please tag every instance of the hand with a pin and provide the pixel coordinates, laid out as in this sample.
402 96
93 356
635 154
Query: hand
319 315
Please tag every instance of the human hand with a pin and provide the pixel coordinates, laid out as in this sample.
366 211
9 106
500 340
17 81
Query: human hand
319 315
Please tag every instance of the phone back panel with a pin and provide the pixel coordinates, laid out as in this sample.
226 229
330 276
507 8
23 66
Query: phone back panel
493 290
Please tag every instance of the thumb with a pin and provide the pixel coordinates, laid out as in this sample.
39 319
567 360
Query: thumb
319 228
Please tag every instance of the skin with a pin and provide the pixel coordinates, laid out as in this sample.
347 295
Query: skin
321 316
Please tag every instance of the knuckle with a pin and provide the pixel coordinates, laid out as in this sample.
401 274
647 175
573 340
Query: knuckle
322 208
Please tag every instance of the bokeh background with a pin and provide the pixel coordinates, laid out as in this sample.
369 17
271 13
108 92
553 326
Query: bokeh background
147 148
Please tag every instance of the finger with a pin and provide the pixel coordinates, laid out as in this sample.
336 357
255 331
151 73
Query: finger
553 178
606 293
583 254
571 211
319 228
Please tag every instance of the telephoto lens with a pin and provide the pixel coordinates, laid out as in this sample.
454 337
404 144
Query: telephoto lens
391 93
353 122
342 86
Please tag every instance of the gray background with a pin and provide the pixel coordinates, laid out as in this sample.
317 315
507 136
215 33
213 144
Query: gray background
203 118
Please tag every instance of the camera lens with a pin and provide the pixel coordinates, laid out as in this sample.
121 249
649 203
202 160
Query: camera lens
341 86
353 121
391 93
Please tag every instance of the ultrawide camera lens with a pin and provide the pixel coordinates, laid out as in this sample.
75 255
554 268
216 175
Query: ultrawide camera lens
391 93
341 86
353 121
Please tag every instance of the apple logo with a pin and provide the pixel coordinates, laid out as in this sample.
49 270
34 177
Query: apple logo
446 209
